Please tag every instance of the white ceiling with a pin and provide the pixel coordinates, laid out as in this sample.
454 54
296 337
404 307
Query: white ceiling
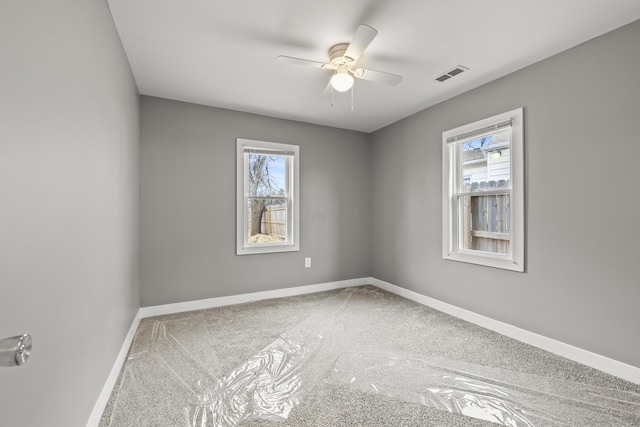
223 53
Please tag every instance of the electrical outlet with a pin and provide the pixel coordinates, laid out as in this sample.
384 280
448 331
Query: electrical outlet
307 262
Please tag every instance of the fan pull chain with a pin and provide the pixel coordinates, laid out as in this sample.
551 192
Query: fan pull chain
332 96
352 97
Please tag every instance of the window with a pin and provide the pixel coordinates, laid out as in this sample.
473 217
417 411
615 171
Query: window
267 197
483 192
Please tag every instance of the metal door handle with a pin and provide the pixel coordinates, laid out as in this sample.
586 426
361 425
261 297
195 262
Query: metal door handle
15 351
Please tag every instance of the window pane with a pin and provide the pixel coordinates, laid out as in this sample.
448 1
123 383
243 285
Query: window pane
267 175
485 162
485 223
267 221
483 192
267 197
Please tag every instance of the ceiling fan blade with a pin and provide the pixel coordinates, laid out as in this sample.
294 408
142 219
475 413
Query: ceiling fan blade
299 61
361 40
377 76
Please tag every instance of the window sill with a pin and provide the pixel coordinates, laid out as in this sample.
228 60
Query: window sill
486 259
267 249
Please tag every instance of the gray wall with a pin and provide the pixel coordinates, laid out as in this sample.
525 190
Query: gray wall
582 121
188 196
68 205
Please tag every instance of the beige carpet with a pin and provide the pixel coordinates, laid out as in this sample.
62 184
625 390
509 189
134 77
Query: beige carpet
359 356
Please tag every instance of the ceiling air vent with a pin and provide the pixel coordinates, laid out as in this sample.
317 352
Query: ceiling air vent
451 73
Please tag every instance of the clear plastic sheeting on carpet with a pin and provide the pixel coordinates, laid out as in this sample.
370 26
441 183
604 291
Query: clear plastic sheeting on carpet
272 362
267 386
271 383
496 395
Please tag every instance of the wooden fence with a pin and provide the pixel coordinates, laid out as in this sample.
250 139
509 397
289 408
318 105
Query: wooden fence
487 219
274 221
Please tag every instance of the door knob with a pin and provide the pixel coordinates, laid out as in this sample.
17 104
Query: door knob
15 351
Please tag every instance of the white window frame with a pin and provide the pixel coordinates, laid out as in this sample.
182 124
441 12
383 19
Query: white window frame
292 243
451 174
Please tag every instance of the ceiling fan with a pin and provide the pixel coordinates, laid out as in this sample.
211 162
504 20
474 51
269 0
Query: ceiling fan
342 60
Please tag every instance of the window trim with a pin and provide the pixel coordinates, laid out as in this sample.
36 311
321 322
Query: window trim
242 196
450 218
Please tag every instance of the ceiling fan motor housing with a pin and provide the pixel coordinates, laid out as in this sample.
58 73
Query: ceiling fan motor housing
337 58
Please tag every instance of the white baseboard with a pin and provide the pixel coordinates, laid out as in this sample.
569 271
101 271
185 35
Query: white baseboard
103 399
158 310
602 363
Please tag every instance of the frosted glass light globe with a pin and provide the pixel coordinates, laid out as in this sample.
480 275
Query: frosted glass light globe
342 80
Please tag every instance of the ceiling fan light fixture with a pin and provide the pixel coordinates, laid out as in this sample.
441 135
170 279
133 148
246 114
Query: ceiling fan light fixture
342 81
